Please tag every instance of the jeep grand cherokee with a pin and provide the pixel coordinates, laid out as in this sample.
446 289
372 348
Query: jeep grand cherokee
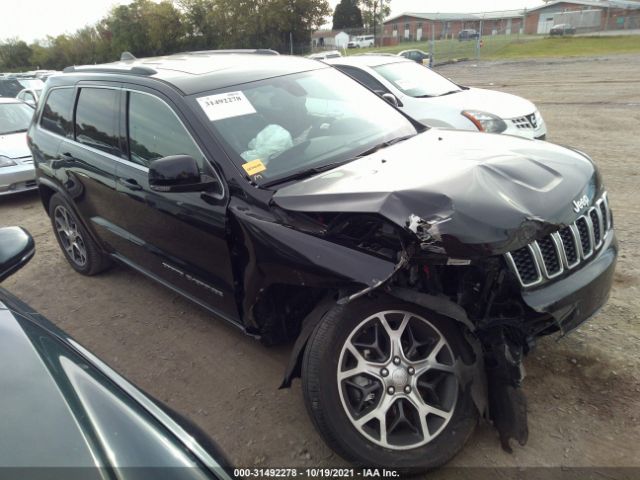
414 268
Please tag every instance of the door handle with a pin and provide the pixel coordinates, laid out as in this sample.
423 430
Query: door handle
130 183
61 160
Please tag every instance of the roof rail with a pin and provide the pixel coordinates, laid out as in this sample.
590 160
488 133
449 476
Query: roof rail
258 51
144 71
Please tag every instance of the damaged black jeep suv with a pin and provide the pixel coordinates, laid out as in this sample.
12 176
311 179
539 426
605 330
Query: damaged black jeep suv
413 269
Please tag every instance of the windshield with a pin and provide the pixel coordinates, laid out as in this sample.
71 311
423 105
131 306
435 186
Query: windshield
14 117
281 126
31 83
416 80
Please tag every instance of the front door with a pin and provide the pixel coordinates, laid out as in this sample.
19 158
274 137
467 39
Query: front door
179 238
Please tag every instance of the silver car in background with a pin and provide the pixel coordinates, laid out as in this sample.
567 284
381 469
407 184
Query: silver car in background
16 164
29 96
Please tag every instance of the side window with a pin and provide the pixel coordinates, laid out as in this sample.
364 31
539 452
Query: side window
97 119
156 132
364 78
28 97
56 114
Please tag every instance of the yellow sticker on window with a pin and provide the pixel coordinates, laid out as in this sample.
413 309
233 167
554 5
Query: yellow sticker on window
254 167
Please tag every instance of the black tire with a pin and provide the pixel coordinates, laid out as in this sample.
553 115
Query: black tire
85 256
323 397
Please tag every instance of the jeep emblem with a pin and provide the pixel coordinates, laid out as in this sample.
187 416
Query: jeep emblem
580 203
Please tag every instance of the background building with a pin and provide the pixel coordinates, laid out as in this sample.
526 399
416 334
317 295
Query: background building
329 39
585 15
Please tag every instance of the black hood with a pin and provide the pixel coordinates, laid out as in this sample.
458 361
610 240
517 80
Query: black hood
476 194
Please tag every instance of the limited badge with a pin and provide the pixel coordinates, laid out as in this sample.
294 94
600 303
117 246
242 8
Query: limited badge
254 167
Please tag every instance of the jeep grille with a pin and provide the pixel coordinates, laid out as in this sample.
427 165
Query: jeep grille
566 249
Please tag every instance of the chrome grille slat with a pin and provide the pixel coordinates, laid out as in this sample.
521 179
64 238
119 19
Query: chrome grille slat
596 219
524 275
570 247
550 256
585 234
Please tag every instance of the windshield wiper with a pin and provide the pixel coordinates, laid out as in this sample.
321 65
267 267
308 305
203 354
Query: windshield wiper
13 131
388 143
449 93
306 172
329 166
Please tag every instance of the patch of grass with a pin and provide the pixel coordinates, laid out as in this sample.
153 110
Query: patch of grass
507 47
567 47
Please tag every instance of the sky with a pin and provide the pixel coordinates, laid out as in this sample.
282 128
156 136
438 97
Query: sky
35 19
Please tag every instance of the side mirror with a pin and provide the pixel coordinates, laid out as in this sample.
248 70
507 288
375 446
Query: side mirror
391 98
177 173
16 249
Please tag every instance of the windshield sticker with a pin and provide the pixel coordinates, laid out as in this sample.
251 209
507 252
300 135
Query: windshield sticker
226 105
254 167
405 84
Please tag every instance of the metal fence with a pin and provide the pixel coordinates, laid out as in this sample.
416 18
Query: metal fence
440 34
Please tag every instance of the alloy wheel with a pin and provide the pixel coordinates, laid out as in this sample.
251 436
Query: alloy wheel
70 236
397 380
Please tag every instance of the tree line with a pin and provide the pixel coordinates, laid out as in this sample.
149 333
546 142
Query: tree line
350 14
146 28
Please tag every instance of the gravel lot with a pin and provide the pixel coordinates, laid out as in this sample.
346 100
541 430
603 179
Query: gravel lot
584 390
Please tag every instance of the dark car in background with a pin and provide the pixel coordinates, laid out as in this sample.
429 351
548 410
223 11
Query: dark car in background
414 268
418 56
66 414
562 29
468 34
10 87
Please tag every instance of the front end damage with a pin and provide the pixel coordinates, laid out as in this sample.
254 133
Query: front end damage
465 243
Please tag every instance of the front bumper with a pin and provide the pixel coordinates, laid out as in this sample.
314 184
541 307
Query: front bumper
19 178
578 297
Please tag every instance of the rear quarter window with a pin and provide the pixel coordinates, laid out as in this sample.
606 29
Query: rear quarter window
56 114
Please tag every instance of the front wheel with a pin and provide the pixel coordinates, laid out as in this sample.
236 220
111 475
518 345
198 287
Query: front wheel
381 384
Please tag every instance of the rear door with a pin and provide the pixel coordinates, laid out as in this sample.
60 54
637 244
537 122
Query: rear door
178 238
86 162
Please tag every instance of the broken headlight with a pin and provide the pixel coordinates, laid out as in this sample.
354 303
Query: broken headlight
485 122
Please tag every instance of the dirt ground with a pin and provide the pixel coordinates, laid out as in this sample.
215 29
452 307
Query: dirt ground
583 391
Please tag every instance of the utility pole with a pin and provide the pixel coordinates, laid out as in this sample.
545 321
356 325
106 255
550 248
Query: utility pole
375 21
479 40
433 40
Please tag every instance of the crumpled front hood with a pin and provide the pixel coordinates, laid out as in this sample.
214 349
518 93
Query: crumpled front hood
504 105
14 145
477 193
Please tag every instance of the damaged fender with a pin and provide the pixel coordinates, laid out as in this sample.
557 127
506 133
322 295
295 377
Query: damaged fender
311 261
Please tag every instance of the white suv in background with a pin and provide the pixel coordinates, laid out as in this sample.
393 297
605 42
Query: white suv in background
362 41
436 101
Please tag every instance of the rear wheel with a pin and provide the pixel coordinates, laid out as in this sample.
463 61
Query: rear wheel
78 247
381 385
